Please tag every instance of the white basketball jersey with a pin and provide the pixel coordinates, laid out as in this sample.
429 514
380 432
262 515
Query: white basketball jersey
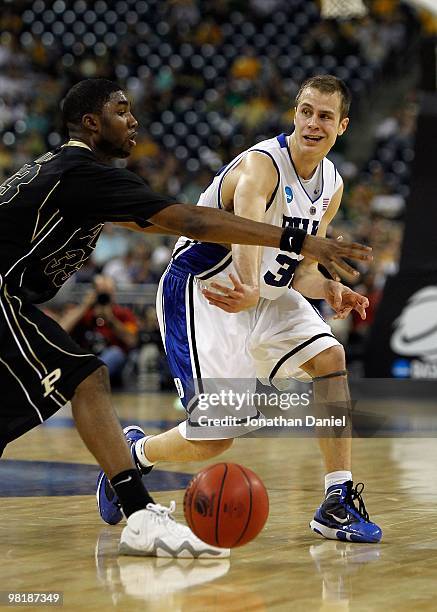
294 203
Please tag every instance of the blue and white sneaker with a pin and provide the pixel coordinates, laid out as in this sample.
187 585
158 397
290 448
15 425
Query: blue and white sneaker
338 518
108 503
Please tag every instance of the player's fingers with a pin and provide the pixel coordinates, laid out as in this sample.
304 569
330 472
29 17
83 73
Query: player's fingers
354 246
221 288
229 294
224 299
236 282
235 294
344 267
337 297
326 263
225 303
210 294
222 307
218 296
361 310
353 250
215 297
360 300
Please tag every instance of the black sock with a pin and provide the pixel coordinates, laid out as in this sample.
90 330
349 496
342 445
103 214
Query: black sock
131 492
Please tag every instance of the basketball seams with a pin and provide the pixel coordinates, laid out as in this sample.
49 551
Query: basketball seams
219 499
249 514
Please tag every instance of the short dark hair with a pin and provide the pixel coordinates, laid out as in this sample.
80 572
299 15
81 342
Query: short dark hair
329 84
87 96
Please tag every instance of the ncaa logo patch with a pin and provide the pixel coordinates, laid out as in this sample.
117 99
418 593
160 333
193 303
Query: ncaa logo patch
288 194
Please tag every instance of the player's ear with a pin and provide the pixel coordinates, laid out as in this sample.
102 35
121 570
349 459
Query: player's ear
343 126
91 122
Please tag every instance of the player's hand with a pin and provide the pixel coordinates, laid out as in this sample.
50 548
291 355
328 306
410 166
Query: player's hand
332 253
241 297
343 300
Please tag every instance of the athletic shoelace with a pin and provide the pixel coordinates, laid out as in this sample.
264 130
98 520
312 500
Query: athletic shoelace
355 494
163 512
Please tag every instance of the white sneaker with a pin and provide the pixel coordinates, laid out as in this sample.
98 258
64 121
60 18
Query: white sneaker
153 532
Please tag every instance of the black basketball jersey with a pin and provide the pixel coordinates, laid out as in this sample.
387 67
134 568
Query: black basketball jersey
53 210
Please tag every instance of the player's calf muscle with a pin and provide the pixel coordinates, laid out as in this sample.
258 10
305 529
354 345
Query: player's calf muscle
97 382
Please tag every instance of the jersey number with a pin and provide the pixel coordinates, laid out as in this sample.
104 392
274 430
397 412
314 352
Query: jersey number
284 274
60 269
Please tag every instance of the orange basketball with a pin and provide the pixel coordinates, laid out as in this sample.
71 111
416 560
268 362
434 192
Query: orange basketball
226 505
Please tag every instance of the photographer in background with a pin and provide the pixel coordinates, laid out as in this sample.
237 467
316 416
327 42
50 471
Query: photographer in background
103 327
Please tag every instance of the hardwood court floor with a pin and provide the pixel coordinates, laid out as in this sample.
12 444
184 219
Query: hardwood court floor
52 538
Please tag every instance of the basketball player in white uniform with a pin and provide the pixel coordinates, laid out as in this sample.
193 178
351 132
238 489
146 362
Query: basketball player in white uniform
242 314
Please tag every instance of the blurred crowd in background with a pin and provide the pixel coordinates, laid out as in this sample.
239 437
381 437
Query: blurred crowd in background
207 80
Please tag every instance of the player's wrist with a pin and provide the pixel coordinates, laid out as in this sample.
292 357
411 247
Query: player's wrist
292 240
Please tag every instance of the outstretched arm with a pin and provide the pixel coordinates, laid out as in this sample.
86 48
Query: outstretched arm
211 225
151 229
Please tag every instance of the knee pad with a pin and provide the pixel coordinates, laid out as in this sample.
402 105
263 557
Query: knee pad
331 375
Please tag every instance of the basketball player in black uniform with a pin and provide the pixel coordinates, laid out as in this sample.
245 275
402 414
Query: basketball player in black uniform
51 214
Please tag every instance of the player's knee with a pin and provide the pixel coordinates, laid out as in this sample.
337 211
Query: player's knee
95 383
331 360
211 448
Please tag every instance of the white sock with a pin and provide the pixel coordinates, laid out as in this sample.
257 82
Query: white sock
338 477
139 451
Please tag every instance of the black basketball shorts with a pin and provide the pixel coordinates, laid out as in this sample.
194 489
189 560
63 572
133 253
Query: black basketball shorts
40 366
